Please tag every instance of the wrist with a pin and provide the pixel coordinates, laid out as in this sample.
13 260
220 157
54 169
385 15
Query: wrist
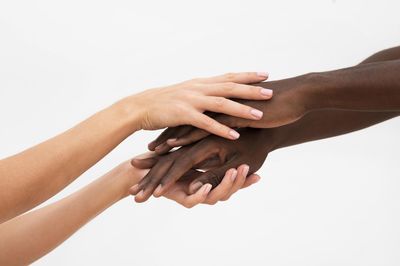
277 137
129 112
122 178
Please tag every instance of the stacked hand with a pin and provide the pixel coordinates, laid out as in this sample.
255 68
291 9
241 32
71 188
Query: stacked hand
185 103
334 102
226 163
217 156
289 104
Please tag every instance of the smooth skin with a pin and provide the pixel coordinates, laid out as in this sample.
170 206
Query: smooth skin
322 123
372 86
34 175
28 237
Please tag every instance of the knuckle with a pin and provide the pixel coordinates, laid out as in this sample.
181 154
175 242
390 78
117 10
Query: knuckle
219 102
253 89
187 160
180 107
207 123
230 85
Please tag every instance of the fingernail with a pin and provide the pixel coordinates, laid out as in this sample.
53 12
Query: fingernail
256 113
140 194
133 189
158 147
245 170
266 92
157 192
257 179
172 140
150 146
262 74
196 186
207 189
234 134
233 175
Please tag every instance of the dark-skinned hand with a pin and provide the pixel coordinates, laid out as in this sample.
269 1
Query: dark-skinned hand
289 104
213 153
179 192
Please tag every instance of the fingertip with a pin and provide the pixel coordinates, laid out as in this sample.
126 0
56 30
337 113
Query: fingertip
133 190
255 178
162 148
151 146
251 180
256 114
245 170
233 134
139 197
193 188
207 189
233 175
173 142
267 93
135 162
158 192
262 75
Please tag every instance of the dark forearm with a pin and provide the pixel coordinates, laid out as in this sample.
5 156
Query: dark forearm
329 123
325 124
366 87
384 55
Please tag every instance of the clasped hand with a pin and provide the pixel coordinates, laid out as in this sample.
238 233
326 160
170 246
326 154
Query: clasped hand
218 157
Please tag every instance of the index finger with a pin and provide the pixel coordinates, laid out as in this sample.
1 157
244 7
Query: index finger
241 77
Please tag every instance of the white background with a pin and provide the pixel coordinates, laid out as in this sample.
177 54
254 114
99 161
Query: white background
332 202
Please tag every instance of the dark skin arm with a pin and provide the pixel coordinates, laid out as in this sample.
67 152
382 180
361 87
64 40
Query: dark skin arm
291 105
254 146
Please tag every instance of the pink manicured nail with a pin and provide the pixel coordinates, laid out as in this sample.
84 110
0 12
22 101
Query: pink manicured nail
233 175
207 189
256 113
157 192
140 194
234 134
262 74
245 170
266 92
133 189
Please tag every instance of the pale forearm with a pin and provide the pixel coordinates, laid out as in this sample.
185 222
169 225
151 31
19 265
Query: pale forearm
32 235
32 176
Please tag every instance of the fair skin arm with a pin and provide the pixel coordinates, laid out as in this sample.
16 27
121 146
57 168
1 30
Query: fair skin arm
34 175
28 237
